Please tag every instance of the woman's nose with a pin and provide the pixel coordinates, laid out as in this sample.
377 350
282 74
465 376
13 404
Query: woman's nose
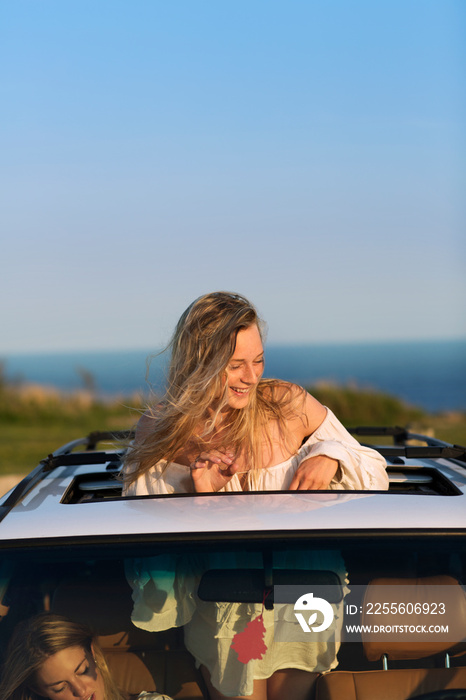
249 375
80 690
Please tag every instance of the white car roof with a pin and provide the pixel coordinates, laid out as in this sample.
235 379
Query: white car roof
45 512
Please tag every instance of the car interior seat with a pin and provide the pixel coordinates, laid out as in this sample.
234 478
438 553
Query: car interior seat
386 682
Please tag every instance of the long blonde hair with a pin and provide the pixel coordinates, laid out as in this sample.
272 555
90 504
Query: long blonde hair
202 344
34 641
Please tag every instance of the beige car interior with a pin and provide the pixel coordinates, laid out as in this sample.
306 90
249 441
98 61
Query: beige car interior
141 660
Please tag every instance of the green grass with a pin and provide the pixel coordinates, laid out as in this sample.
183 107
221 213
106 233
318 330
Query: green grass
35 421
22 446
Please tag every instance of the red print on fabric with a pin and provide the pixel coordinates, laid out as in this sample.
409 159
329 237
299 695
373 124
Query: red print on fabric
249 644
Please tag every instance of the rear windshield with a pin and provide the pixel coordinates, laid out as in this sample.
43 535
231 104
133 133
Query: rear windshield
148 597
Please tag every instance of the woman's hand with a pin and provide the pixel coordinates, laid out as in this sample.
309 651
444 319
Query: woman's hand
314 474
212 469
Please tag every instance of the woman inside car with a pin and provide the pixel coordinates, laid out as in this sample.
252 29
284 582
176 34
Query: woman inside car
221 427
52 657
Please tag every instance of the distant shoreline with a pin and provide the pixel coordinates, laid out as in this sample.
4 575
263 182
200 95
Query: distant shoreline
430 374
9 355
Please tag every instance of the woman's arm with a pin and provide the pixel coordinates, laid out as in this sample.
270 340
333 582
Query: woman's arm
332 458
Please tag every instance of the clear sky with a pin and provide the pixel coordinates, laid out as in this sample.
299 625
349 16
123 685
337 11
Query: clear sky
309 154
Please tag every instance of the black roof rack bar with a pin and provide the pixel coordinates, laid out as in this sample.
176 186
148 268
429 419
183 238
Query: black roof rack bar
75 458
378 430
429 451
433 442
400 436
90 441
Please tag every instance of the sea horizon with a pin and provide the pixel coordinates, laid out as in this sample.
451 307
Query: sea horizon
427 373
6 354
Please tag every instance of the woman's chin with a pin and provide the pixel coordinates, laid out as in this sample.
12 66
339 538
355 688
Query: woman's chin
237 399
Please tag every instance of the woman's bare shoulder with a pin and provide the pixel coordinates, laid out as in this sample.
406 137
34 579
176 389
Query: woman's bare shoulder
304 409
315 413
280 391
298 398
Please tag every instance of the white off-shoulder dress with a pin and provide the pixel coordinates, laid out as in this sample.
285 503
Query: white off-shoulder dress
164 587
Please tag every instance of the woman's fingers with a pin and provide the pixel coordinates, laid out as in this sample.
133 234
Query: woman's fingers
198 463
222 459
212 469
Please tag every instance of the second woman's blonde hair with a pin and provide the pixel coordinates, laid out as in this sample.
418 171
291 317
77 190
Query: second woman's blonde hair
37 639
202 345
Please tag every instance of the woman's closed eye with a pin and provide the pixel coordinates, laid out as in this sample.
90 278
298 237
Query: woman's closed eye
82 672
256 362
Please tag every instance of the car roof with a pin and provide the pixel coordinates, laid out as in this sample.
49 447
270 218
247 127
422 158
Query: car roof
76 493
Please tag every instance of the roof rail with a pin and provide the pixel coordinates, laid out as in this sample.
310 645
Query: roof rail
67 455
433 448
399 434
433 452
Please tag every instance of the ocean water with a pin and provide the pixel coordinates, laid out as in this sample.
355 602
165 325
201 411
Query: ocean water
427 374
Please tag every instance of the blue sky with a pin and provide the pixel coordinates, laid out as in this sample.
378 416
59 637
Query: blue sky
308 154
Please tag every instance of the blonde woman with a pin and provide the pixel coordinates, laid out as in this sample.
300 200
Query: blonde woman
51 657
222 427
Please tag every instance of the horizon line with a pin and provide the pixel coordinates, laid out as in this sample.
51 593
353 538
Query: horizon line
4 354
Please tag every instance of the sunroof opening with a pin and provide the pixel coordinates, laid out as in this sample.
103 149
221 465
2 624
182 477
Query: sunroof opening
419 480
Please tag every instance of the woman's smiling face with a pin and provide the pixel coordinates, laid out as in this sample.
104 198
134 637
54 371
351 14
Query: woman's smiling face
70 674
245 367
